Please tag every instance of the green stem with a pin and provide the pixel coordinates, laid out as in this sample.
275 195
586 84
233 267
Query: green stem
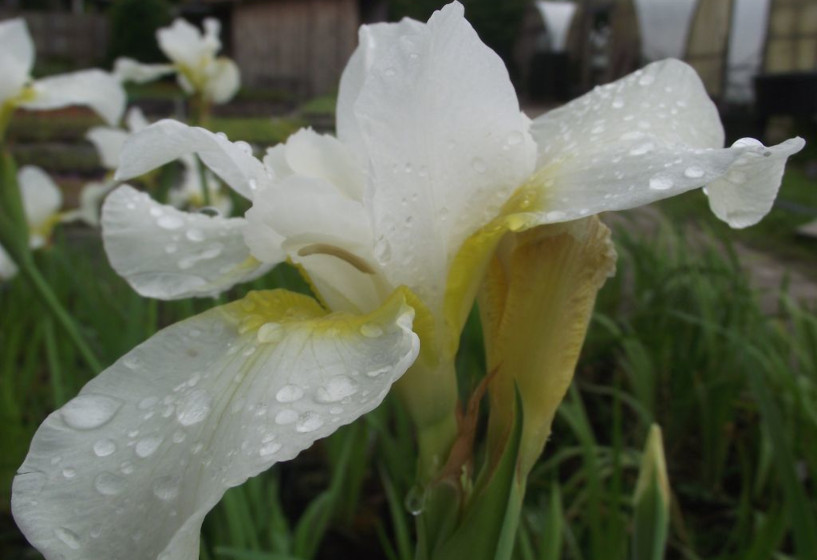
50 300
205 191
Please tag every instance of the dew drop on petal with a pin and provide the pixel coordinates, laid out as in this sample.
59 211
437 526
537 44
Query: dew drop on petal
289 393
109 484
747 143
88 412
370 330
618 103
646 79
269 448
68 538
308 422
69 473
146 447
694 172
170 221
336 389
478 164
642 149
270 332
286 416
104 447
382 251
194 234
514 138
166 488
194 407
378 372
661 183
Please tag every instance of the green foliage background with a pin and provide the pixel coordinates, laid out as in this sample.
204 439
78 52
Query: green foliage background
133 29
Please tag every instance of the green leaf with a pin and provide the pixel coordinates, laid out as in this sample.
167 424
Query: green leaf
652 500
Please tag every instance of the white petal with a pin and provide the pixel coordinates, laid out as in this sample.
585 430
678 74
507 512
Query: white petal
16 57
320 156
129 70
167 140
223 80
8 269
92 88
42 199
168 254
445 142
649 136
184 44
108 142
747 191
303 217
130 467
135 120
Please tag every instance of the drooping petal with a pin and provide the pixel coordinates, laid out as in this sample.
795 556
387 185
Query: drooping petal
535 304
649 136
223 80
168 254
16 57
130 467
128 70
168 140
95 89
443 164
42 199
108 142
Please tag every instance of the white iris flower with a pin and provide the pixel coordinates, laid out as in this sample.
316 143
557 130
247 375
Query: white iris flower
93 88
394 223
193 57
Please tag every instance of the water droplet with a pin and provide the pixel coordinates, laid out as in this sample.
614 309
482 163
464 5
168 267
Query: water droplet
104 447
179 436
378 372
694 172
147 446
269 448
371 330
88 412
166 488
382 250
270 332
646 80
194 407
130 361
289 393
416 500
96 531
156 211
597 130
221 135
170 221
478 164
336 389
645 148
147 402
555 216
336 410
194 234
68 538
618 103
747 143
109 484
661 183
244 147
514 138
286 416
126 467
171 248
308 422
69 473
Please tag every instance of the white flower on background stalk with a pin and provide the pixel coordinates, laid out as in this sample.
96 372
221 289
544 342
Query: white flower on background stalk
93 88
42 200
193 57
398 216
109 141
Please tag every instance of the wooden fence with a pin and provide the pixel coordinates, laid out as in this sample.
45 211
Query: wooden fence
80 39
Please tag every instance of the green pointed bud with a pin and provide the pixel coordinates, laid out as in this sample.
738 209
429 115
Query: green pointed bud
651 501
